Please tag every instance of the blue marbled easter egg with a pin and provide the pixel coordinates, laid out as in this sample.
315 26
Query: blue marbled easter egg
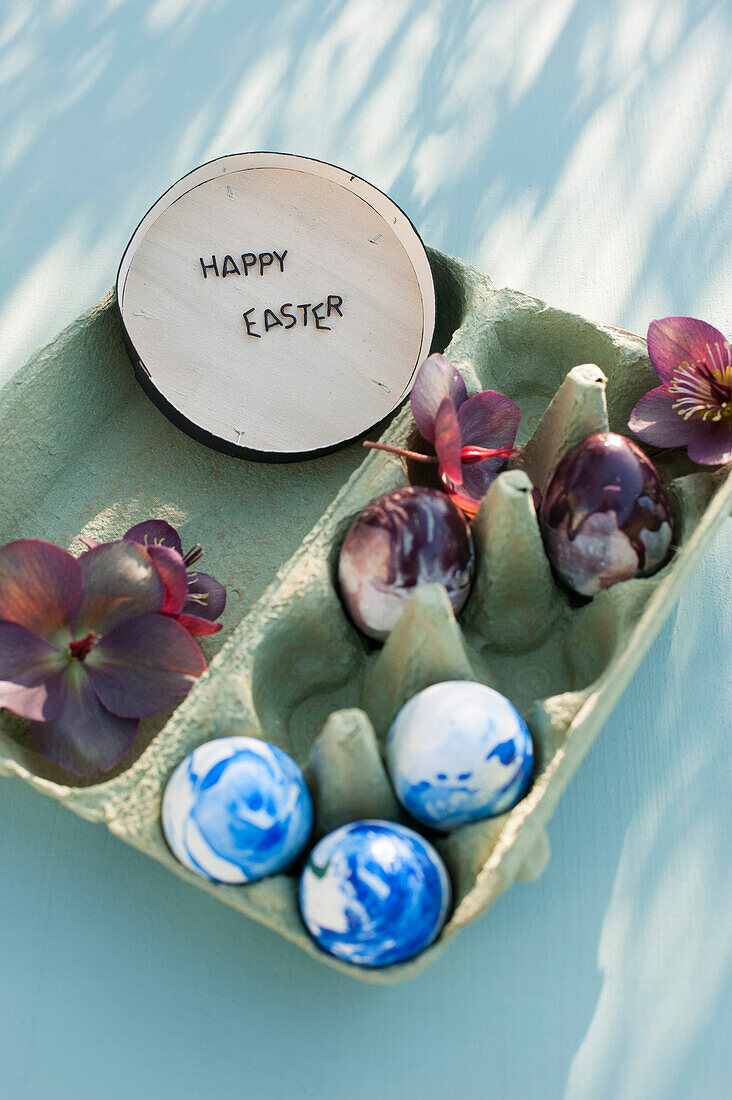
237 809
458 752
374 893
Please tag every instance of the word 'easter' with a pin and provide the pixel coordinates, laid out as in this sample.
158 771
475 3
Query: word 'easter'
229 265
285 318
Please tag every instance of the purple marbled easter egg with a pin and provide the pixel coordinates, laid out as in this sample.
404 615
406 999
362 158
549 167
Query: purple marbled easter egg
402 540
604 515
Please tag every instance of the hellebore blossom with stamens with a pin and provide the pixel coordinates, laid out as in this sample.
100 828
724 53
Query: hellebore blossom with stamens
693 406
206 598
472 436
85 649
202 600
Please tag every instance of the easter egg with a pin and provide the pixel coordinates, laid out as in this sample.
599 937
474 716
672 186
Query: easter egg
458 752
237 809
374 893
402 540
604 515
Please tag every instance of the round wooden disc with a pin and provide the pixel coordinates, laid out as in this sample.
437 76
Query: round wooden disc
275 306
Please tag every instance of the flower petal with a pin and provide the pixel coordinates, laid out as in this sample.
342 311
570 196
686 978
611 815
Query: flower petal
466 504
436 379
40 586
447 442
143 665
31 673
489 419
206 596
172 572
478 476
155 532
654 420
85 738
712 445
194 624
120 581
673 340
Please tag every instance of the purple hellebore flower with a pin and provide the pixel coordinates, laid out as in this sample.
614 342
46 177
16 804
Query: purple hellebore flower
85 651
202 599
693 406
472 436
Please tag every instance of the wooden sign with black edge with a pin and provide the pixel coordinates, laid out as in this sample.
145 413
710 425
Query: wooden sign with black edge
274 306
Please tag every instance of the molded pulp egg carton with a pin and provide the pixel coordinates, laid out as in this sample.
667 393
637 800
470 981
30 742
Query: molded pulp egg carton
85 451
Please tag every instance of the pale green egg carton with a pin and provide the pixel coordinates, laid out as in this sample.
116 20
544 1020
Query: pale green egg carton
84 450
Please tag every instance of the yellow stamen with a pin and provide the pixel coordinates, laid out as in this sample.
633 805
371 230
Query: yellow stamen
699 395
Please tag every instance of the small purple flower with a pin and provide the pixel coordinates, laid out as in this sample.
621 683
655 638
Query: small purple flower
85 650
693 406
472 436
197 603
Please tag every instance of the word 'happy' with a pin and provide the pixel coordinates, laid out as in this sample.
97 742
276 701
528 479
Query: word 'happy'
229 265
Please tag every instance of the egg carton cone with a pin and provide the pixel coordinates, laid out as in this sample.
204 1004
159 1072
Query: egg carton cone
86 452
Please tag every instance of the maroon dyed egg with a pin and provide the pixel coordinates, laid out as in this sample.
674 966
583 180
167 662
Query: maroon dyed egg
604 515
402 540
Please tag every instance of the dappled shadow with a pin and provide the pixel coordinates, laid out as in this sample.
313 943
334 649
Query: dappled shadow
521 135
514 134
664 952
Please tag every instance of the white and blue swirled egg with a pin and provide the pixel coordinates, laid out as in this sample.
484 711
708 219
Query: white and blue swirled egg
458 752
237 809
374 893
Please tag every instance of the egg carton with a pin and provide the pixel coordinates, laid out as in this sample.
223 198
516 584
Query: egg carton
295 671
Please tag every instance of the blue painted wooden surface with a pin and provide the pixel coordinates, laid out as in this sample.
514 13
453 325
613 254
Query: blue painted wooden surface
578 150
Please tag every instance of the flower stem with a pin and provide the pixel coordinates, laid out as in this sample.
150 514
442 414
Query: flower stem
415 456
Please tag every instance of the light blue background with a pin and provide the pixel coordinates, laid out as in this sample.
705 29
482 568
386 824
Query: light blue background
578 150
